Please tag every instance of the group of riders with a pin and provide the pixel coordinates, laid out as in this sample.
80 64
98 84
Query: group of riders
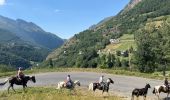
69 82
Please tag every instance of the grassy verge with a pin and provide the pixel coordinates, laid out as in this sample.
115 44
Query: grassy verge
50 93
156 75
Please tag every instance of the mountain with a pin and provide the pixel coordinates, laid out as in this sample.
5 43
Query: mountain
31 33
24 43
82 49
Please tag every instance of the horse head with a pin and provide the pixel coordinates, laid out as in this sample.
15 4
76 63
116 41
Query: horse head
77 82
109 80
33 79
147 86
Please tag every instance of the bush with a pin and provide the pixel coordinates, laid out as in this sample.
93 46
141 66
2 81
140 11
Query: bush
125 63
4 68
118 53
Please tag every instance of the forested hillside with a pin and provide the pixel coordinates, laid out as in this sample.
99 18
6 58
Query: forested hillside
82 50
23 44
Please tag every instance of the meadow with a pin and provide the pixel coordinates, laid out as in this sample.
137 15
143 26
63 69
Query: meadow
50 93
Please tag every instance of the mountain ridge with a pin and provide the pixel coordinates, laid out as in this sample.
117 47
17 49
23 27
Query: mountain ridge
30 32
81 50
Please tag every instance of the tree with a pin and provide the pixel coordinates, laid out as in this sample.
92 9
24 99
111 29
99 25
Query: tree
145 57
51 62
117 62
153 48
109 61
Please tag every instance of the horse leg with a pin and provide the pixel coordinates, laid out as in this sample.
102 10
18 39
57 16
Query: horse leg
158 96
102 92
9 87
108 93
144 97
13 88
137 97
24 87
132 97
167 95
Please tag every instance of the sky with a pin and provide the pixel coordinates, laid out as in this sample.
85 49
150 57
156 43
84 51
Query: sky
62 17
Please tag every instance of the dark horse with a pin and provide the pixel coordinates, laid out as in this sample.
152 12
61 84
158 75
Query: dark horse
15 80
140 92
103 86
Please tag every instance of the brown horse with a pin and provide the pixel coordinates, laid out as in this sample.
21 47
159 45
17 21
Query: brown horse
160 88
15 80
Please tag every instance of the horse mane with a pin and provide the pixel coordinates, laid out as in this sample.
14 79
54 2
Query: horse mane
76 81
111 80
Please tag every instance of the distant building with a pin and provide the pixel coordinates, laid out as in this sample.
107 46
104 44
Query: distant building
114 41
80 52
64 52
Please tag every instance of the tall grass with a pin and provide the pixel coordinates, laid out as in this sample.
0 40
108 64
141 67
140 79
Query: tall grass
50 93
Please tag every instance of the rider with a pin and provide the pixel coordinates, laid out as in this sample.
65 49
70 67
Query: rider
69 81
20 74
166 83
101 81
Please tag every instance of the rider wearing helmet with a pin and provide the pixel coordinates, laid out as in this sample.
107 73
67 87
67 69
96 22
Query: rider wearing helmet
101 80
166 83
69 81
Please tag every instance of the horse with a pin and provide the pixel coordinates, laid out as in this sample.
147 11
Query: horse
103 86
63 85
160 88
140 92
14 80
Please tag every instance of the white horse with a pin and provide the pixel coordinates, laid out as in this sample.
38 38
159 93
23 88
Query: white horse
160 88
63 84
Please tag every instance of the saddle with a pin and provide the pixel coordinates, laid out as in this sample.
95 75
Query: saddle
68 84
168 88
20 79
101 85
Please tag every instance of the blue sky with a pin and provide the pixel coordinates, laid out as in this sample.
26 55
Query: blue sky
62 17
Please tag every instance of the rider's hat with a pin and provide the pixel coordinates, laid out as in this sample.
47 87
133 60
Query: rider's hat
20 68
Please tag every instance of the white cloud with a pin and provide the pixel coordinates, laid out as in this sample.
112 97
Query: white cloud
2 2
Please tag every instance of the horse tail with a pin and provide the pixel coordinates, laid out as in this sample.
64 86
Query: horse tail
91 86
3 83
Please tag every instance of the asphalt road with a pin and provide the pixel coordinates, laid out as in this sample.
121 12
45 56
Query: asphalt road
123 84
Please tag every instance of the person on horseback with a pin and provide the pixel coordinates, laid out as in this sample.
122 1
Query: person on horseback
20 74
101 81
166 83
69 82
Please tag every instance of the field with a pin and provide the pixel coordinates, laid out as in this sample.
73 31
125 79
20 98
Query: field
50 93
126 41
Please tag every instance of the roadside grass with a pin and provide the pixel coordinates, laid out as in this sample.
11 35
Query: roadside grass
50 93
155 75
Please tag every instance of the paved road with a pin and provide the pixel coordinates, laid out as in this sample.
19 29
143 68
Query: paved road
123 84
